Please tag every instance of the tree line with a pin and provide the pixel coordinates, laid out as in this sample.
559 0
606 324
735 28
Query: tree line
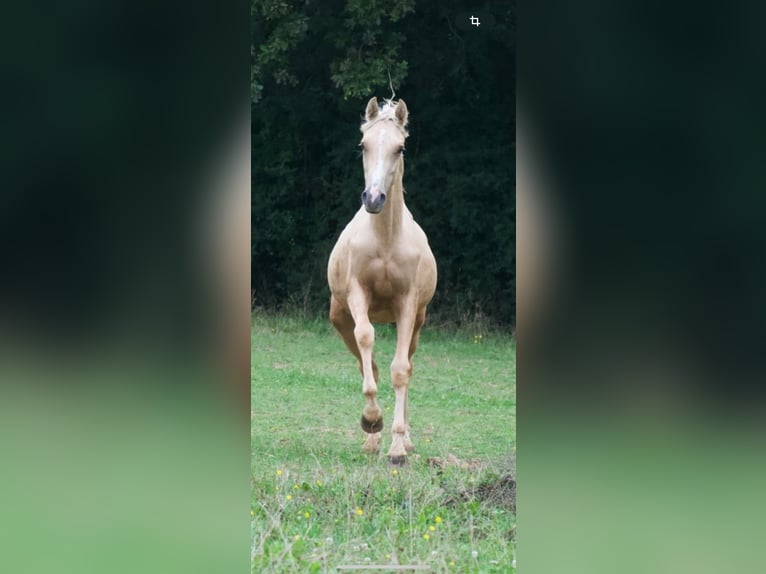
314 65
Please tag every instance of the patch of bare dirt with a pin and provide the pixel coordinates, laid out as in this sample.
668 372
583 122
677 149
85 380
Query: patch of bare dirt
498 491
452 460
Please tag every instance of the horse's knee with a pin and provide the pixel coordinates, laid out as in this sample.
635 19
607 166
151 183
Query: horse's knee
401 370
364 335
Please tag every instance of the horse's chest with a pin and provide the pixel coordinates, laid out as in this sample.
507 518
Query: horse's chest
385 277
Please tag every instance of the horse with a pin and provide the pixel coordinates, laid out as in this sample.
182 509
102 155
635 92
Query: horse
382 270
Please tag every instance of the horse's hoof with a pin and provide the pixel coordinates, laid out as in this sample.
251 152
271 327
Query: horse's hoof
399 460
372 426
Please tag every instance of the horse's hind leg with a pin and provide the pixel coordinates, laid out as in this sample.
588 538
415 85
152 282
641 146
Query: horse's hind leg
359 342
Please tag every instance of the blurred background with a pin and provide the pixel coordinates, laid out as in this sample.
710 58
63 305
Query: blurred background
642 258
314 67
124 290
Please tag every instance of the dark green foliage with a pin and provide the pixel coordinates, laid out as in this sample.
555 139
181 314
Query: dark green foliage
314 67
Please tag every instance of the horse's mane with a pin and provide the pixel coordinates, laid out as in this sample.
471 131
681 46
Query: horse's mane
386 112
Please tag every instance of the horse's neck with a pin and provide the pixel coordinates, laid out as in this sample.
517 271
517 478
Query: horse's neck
388 222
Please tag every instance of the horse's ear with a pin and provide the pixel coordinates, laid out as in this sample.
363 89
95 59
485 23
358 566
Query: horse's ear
372 109
401 113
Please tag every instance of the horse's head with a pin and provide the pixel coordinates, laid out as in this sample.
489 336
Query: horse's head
382 150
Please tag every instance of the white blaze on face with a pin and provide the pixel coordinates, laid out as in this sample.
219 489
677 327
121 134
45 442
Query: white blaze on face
379 172
381 153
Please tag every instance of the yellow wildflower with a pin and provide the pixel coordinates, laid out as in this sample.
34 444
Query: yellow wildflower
426 536
359 511
438 520
279 472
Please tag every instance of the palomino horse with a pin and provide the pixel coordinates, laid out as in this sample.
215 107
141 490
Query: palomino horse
382 269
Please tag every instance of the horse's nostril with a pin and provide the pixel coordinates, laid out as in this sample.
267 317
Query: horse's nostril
364 196
382 197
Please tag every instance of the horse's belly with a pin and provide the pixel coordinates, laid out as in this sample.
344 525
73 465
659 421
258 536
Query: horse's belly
381 301
383 289
381 316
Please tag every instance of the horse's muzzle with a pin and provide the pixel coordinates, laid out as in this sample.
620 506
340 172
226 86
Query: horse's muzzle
373 205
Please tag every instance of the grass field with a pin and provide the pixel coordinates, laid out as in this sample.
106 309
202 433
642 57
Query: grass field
318 502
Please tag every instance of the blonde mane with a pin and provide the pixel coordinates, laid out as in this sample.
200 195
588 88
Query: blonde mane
386 112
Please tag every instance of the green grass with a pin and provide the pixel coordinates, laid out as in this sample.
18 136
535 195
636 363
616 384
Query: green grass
318 502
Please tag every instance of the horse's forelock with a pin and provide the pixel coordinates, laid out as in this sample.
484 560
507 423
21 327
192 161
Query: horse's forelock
386 112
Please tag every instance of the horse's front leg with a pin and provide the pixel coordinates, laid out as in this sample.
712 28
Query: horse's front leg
420 319
401 371
364 333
